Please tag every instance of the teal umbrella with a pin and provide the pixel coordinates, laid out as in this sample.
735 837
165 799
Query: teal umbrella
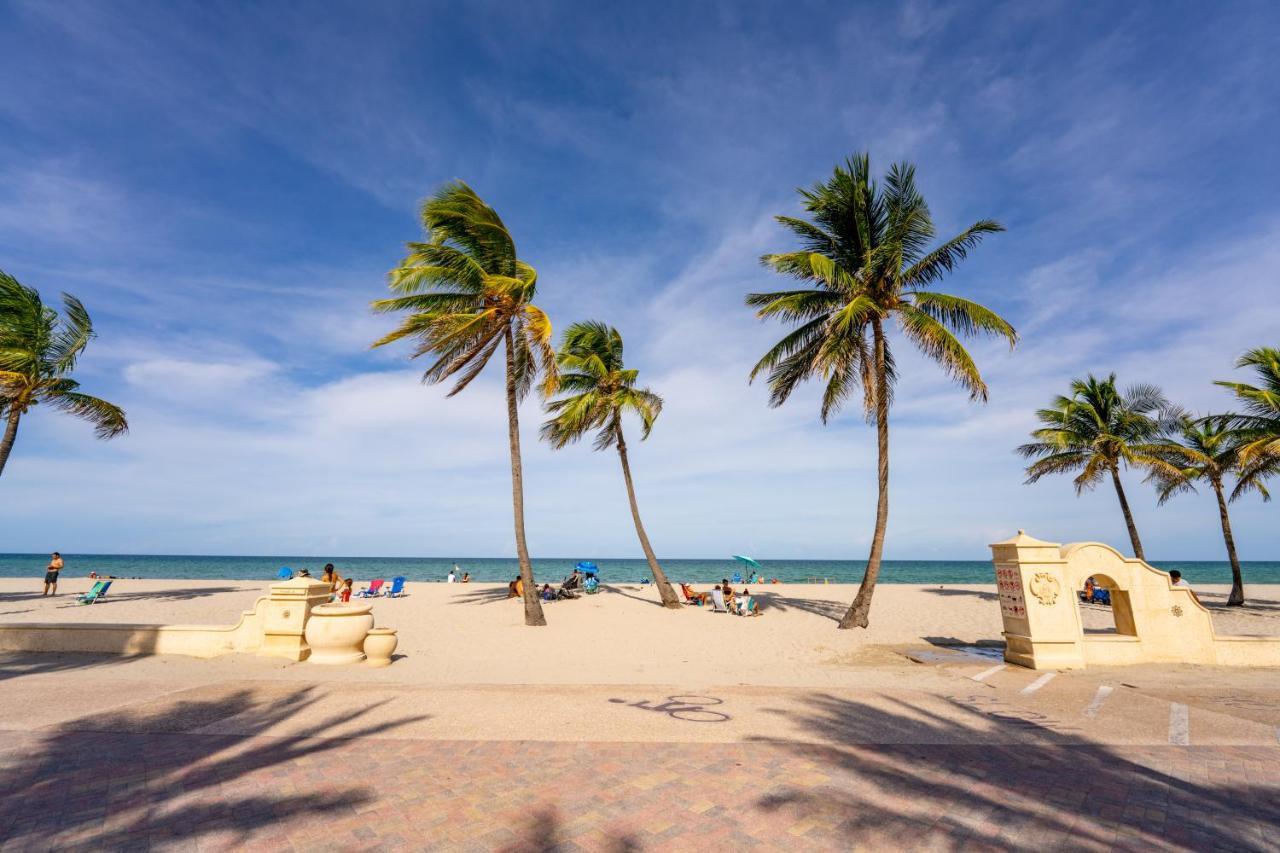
748 561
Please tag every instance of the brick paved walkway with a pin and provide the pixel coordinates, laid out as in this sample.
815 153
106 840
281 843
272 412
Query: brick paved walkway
182 791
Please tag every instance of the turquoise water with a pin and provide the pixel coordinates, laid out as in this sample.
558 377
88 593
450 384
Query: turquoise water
504 569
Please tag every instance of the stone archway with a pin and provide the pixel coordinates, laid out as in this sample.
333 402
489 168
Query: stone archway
1155 621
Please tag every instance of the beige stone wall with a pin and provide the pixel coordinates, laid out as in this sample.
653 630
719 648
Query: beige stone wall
1155 621
274 628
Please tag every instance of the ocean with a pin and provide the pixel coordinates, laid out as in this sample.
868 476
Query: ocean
489 569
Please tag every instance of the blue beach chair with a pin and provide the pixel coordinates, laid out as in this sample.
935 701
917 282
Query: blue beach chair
397 588
99 589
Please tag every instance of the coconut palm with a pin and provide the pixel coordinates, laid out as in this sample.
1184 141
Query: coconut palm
38 353
466 293
600 390
1206 449
1096 431
1259 423
864 260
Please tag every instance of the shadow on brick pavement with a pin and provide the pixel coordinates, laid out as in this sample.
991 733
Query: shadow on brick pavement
148 781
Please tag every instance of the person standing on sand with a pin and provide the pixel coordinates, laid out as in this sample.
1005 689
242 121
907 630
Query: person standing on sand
453 576
51 574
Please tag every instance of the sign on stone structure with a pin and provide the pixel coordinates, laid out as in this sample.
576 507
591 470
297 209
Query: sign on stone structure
1009 585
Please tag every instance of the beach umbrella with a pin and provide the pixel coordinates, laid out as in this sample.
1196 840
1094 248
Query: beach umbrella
285 573
586 567
750 562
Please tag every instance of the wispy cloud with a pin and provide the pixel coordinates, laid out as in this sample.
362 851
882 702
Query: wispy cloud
227 188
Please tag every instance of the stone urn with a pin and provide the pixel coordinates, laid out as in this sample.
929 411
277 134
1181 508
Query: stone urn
379 645
336 632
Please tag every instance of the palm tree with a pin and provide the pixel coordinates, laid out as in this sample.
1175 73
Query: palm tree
864 259
467 293
38 352
1095 431
1260 422
1206 449
600 391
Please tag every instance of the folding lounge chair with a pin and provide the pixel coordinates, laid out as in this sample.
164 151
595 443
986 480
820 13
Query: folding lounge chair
372 590
397 588
717 602
689 596
99 589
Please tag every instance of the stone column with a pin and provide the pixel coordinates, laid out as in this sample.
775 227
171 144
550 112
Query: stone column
1041 619
285 619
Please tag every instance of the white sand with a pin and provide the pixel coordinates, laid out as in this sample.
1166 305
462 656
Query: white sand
469 634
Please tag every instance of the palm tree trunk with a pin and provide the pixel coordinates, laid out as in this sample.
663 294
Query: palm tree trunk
859 612
532 603
10 435
1128 516
1237 582
669 598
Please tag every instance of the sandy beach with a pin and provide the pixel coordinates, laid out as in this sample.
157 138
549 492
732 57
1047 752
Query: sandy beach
471 634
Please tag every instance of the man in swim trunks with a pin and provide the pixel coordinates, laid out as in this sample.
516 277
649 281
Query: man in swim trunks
51 574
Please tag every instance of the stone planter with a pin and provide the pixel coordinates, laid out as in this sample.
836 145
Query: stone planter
379 645
336 632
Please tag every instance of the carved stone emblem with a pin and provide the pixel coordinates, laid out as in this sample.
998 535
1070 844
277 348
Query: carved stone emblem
1045 588
1177 609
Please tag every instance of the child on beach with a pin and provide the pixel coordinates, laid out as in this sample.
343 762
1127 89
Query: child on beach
345 595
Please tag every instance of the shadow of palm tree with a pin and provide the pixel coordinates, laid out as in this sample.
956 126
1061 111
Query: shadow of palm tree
987 773
783 602
481 596
614 590
140 779
984 596
544 833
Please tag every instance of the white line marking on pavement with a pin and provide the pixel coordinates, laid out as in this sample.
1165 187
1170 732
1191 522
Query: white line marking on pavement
1179 725
1038 683
987 673
1098 698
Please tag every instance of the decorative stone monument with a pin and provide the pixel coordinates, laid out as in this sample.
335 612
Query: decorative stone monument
284 621
1155 621
336 632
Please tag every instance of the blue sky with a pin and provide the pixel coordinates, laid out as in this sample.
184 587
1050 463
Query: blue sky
226 185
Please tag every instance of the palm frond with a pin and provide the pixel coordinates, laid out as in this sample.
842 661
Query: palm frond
933 339
963 315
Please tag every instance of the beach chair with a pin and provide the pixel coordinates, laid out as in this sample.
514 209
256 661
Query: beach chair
99 589
397 588
371 591
689 596
717 602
